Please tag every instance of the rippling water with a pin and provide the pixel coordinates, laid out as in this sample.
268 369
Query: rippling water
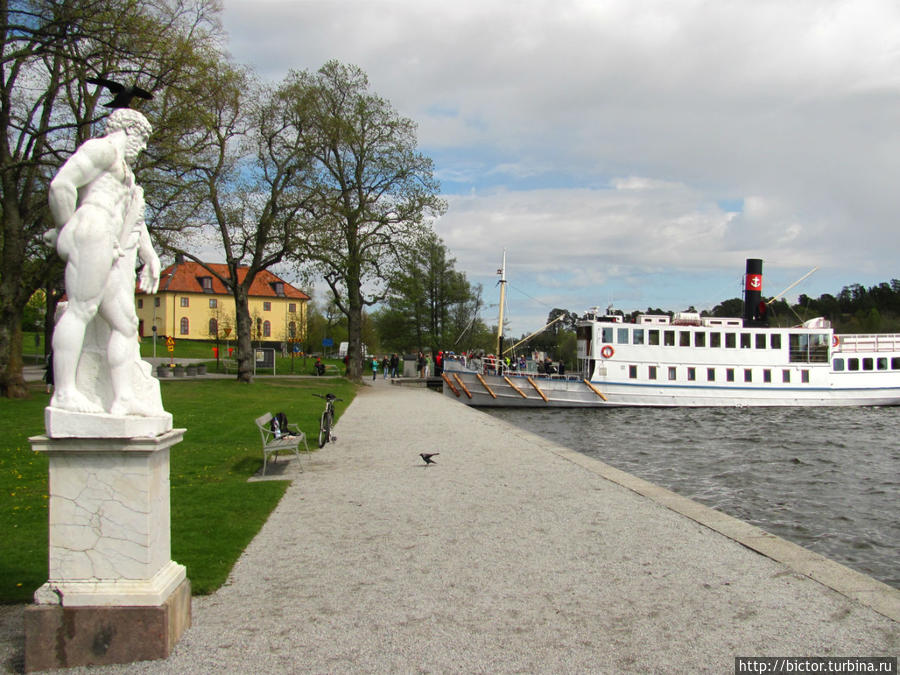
825 478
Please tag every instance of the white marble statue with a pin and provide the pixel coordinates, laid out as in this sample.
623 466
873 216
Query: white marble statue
98 210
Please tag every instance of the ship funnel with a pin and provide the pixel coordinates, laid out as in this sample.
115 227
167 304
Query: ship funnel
754 307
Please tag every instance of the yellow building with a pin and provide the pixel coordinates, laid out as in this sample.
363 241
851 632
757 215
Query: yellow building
192 304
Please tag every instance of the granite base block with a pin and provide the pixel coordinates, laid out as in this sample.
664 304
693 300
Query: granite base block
65 637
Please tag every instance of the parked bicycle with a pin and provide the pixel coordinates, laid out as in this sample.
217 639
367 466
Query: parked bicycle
327 421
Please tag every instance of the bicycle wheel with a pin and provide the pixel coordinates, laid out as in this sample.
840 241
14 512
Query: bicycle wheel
324 429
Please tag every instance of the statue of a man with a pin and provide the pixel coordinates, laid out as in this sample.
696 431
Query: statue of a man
100 230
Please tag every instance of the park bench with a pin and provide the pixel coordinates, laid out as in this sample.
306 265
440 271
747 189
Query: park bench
272 446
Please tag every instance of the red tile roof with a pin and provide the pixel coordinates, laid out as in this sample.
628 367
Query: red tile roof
184 277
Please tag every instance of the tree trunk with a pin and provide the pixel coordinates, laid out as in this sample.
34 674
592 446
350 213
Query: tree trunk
12 380
354 327
244 326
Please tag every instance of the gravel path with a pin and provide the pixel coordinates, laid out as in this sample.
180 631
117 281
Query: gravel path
508 555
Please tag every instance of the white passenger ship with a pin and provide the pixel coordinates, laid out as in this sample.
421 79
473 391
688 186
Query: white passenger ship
691 360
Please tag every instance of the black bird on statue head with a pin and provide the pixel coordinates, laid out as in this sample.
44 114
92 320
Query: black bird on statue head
123 94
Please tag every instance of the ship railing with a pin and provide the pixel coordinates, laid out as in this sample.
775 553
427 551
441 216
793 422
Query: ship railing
887 342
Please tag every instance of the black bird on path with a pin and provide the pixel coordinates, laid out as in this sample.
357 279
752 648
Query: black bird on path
427 457
123 94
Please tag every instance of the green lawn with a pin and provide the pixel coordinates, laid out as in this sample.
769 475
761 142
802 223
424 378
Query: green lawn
215 511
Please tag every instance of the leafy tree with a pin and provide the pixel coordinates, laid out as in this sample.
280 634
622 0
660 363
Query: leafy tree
428 305
48 48
372 192
249 182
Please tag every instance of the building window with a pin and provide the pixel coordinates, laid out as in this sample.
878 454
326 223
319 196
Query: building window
632 372
140 303
213 303
267 306
292 330
206 283
185 301
213 327
156 302
279 288
292 307
267 329
185 325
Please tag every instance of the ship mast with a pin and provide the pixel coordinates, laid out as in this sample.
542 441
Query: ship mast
502 273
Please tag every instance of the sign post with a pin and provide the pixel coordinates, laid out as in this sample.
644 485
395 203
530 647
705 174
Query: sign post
170 345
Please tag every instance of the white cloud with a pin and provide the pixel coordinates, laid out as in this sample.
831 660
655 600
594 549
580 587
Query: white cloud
597 140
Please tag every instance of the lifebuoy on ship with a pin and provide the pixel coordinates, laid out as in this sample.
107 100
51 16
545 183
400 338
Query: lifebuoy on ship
607 352
835 340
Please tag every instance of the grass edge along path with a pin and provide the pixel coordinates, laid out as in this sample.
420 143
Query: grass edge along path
215 512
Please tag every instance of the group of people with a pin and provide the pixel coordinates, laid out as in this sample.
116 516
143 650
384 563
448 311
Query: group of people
390 366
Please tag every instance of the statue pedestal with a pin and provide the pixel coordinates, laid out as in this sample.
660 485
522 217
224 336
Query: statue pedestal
113 594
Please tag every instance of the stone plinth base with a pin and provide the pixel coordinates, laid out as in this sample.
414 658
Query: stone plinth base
65 637
66 424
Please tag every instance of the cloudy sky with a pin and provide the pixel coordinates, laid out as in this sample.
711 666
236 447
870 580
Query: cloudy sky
630 152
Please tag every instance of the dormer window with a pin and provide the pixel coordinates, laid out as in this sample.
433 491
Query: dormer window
279 288
206 284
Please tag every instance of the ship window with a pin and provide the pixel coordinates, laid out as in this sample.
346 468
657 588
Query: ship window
684 338
622 337
748 375
700 339
729 374
710 374
838 365
881 363
805 348
745 340
786 376
760 340
715 340
775 341
632 372
730 340
606 334
653 337
852 364
638 336
673 372
804 376
895 363
651 373
868 363
669 338
767 376
692 374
